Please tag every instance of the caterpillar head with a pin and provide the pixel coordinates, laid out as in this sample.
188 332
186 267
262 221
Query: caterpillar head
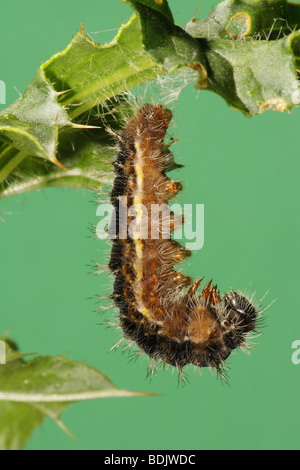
240 319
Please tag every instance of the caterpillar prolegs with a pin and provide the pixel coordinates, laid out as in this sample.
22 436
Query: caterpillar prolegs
160 309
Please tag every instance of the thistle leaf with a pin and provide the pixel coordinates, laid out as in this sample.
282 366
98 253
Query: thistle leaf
247 51
56 133
43 387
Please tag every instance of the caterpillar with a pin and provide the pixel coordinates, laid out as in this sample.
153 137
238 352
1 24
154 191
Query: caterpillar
159 308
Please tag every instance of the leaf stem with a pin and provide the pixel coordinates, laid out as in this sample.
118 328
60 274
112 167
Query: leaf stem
11 162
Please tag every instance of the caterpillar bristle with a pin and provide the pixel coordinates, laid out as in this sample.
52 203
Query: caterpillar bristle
162 312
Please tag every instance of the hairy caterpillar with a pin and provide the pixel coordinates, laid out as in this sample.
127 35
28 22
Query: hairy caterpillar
159 307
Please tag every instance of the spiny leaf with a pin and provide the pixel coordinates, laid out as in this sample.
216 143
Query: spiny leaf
72 91
168 44
251 75
31 124
264 19
247 51
44 386
88 74
255 76
158 5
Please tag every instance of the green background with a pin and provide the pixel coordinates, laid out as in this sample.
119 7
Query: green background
246 172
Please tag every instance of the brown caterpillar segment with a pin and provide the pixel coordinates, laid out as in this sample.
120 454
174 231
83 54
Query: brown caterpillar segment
160 309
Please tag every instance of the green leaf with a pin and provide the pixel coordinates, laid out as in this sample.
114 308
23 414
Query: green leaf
43 387
74 91
252 52
86 154
89 74
255 72
263 19
31 124
158 5
238 73
87 166
168 44
247 51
